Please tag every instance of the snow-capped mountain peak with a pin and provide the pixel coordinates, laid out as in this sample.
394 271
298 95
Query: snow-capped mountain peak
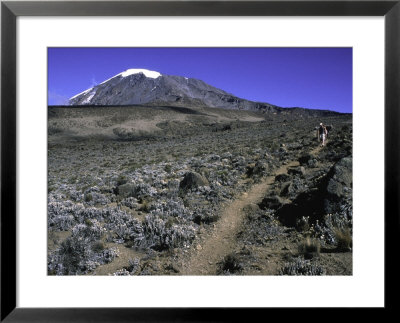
131 71
144 87
147 73
128 72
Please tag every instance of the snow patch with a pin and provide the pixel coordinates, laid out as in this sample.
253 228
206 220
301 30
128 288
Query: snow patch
87 100
84 92
147 73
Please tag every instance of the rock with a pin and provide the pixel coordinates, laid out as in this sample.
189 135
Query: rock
257 169
125 190
239 161
192 180
261 168
271 202
282 178
297 171
334 188
339 184
305 158
251 209
250 169
312 163
343 171
287 189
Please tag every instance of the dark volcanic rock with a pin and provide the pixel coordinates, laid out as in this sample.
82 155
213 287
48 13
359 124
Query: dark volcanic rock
307 204
312 163
328 196
261 168
192 180
271 202
334 189
258 169
305 158
343 171
339 184
297 171
287 189
282 178
125 190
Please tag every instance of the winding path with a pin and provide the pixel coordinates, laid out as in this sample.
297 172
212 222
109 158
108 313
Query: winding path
213 246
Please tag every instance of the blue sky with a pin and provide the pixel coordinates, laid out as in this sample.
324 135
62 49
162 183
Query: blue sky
315 78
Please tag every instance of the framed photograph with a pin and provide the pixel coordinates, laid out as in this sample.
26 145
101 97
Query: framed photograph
168 160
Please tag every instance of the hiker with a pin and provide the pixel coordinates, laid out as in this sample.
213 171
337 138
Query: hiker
322 133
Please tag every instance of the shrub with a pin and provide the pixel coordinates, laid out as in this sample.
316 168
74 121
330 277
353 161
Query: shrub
230 265
310 248
168 168
88 197
344 239
302 267
303 224
80 253
159 236
332 223
145 206
134 266
121 180
98 246
206 216
274 146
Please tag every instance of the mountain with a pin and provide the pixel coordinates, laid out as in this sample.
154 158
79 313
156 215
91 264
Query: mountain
144 87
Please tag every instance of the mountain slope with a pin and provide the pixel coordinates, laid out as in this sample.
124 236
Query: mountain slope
144 87
139 86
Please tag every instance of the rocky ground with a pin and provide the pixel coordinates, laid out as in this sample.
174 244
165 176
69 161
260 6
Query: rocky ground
179 191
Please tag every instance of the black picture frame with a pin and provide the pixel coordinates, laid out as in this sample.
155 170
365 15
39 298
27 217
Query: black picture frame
10 10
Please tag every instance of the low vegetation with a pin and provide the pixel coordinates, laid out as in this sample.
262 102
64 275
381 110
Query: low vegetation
155 191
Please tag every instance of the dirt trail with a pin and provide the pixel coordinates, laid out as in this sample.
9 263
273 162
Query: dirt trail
215 245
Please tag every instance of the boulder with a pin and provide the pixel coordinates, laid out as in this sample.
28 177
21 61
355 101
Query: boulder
305 158
271 202
312 163
342 171
192 180
258 169
251 211
282 178
297 171
261 168
339 185
335 189
125 190
287 189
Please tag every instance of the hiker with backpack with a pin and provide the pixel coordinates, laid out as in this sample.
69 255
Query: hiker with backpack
322 133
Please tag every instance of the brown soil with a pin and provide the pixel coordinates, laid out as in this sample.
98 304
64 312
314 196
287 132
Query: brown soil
221 240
